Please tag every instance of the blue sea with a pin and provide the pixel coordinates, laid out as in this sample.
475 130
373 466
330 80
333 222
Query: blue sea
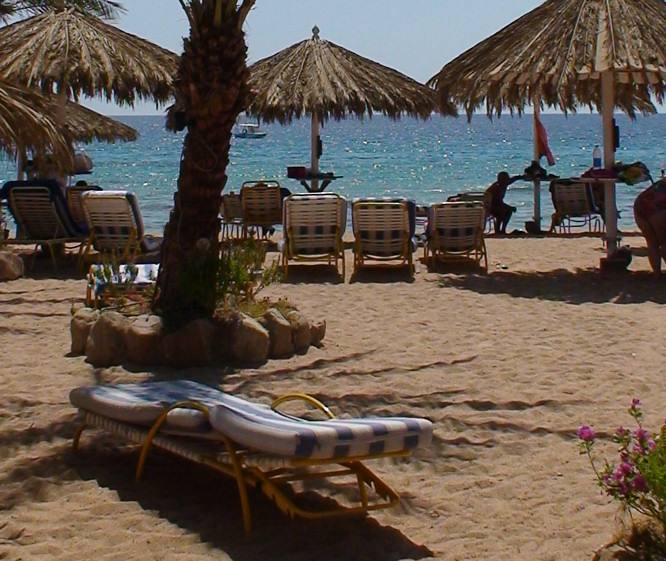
427 161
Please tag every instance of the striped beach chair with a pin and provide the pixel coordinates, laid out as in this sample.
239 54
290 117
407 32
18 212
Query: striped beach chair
262 206
231 211
116 227
42 216
455 231
313 226
256 444
574 206
383 231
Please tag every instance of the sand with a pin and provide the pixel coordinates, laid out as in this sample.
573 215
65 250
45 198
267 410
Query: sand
507 366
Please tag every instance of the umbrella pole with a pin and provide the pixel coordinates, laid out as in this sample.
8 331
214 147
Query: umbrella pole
607 105
314 147
537 157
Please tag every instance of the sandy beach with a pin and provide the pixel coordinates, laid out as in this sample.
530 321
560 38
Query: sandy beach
507 365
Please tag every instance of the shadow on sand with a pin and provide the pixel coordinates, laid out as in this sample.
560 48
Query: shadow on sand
574 287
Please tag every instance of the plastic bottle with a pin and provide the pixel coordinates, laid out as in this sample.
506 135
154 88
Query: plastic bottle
596 157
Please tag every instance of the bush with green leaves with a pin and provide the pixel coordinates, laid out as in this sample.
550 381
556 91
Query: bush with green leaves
242 273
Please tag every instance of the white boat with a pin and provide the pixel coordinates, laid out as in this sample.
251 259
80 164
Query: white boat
248 130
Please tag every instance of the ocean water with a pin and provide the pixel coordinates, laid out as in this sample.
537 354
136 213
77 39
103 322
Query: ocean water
427 161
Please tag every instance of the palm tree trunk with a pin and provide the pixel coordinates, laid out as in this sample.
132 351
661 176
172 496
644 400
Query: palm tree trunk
212 87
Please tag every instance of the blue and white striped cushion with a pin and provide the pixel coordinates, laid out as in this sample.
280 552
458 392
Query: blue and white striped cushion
254 425
260 428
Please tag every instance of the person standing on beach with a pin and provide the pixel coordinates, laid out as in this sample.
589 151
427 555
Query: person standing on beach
650 216
494 201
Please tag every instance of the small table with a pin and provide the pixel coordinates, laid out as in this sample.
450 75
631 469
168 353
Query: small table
325 179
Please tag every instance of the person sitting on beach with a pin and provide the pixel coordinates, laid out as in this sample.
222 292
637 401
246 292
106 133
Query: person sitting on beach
650 216
495 205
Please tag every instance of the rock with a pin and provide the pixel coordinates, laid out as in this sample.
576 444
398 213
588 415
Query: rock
191 345
279 331
300 331
75 307
248 340
11 266
106 342
80 326
317 332
143 340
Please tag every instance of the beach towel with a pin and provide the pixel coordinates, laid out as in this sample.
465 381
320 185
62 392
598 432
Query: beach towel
542 141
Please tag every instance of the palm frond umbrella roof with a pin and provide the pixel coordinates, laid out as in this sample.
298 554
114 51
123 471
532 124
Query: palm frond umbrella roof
23 124
557 52
85 125
317 77
67 48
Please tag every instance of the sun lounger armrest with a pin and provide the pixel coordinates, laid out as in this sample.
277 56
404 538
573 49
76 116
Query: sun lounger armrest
302 397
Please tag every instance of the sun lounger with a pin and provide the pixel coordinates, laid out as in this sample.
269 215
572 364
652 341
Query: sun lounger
262 206
574 206
313 226
75 204
255 444
42 216
231 211
455 231
384 231
116 227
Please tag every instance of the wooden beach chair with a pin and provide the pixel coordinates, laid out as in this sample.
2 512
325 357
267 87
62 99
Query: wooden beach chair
383 232
116 228
253 443
455 232
262 207
313 226
574 206
42 217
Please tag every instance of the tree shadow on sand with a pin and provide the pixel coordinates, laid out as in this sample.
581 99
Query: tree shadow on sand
561 285
201 501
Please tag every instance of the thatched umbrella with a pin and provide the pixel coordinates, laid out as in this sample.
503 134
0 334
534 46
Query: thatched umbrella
23 124
567 53
321 79
76 53
85 125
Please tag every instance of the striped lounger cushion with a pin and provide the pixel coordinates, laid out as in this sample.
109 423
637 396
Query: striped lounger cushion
254 425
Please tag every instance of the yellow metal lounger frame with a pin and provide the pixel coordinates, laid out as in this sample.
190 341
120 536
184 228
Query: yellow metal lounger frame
241 464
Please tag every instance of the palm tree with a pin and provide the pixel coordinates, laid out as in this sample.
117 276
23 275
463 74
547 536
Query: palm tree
212 88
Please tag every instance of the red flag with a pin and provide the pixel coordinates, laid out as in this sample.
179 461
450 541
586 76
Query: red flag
542 141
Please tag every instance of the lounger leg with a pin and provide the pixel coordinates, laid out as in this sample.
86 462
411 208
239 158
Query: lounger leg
238 468
77 436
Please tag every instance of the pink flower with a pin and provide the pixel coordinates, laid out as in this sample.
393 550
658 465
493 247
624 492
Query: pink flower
640 484
586 434
636 403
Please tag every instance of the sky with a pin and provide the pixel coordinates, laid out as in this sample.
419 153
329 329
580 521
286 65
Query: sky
416 37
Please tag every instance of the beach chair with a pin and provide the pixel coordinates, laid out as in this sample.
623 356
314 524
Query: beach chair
574 206
231 211
110 281
313 226
75 204
116 228
262 207
383 232
42 217
477 196
455 232
255 444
